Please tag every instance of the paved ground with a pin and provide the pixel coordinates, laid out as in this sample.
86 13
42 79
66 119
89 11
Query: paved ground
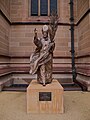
76 104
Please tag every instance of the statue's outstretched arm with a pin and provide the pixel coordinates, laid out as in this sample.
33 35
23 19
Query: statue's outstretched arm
53 24
37 41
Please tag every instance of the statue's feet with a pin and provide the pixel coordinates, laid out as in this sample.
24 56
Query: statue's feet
44 84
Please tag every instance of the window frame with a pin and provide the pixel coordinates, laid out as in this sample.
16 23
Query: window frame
41 18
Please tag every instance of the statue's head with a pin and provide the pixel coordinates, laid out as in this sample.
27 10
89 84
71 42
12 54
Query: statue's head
45 31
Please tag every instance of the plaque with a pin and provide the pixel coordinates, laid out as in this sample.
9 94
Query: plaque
44 96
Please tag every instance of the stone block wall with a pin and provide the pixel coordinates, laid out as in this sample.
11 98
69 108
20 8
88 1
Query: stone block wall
17 10
82 7
5 7
16 38
83 38
4 36
4 41
4 33
4 27
21 40
20 11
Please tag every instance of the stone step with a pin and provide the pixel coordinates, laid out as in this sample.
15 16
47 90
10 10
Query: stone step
23 87
16 87
71 87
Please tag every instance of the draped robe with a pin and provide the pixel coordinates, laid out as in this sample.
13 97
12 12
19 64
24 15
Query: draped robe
41 60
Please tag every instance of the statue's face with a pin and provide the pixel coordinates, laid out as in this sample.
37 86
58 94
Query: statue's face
45 34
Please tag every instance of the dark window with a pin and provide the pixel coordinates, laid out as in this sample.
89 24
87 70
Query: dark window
53 5
43 7
34 7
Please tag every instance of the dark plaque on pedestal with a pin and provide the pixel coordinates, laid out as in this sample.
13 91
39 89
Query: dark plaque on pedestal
45 96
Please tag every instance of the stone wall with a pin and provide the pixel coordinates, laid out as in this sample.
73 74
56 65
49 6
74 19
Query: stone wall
4 36
16 38
17 10
5 27
4 32
20 11
4 40
83 38
82 7
5 7
21 40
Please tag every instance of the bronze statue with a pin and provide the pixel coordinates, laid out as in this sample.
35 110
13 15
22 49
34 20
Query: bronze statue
41 58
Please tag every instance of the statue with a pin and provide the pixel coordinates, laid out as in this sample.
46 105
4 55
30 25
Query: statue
41 58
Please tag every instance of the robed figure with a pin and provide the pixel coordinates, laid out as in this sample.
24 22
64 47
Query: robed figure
41 58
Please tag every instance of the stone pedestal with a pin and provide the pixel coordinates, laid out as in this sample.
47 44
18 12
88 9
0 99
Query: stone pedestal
48 99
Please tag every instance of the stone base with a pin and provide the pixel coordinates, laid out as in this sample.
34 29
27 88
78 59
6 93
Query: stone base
48 99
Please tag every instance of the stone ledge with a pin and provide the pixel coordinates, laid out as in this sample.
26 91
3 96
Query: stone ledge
23 69
5 81
85 83
83 70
